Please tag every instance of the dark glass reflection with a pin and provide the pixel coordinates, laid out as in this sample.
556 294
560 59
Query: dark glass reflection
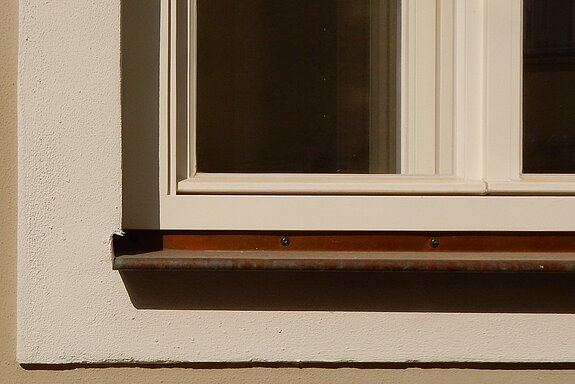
549 86
288 86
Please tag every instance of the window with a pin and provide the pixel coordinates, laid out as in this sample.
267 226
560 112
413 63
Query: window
297 86
415 105
548 86
513 167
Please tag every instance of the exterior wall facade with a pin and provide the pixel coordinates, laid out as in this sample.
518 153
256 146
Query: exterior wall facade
69 305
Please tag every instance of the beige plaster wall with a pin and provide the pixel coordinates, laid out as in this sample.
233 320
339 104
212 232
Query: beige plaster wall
11 372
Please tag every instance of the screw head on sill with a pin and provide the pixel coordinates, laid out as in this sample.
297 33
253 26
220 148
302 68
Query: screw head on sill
434 242
285 241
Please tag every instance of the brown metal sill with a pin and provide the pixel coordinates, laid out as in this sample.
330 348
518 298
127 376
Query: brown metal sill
346 261
345 251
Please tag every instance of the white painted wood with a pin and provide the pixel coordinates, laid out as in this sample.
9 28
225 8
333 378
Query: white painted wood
479 41
536 184
369 213
164 107
326 184
444 125
469 89
192 89
503 82
173 104
503 90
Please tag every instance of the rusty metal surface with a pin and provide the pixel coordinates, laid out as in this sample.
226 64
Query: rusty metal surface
373 241
346 251
164 260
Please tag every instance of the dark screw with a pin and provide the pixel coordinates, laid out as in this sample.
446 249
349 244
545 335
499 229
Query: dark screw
285 241
434 242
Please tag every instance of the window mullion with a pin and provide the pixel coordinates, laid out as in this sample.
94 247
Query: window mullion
469 36
445 139
503 90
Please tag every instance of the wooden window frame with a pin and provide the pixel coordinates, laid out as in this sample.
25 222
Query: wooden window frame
485 192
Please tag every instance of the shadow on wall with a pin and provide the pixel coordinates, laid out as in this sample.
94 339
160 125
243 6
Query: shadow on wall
352 291
140 112
294 291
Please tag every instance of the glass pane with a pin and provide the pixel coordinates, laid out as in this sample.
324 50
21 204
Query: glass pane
549 86
298 86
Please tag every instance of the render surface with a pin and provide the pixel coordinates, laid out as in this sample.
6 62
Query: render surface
72 308
13 373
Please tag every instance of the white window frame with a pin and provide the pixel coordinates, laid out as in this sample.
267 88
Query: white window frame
475 84
503 89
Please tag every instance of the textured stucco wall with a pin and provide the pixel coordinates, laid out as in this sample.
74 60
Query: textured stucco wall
60 248
70 302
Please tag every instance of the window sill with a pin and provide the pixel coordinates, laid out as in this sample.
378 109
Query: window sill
345 251
347 261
